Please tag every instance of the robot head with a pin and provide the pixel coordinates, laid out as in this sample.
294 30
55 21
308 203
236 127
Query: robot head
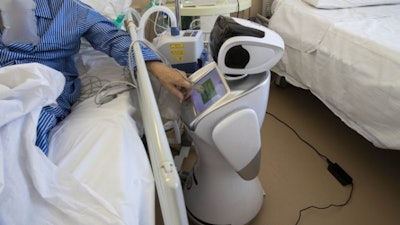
242 47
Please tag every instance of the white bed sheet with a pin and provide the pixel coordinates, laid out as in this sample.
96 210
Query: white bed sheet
350 59
97 171
341 4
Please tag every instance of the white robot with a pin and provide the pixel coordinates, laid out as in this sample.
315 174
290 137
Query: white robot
223 117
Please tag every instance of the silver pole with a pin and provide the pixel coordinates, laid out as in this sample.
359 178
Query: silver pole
177 13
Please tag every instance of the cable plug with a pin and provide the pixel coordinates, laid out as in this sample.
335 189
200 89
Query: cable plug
340 174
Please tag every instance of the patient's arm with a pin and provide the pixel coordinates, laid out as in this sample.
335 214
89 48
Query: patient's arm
172 79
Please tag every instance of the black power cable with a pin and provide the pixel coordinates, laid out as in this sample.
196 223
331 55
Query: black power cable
333 168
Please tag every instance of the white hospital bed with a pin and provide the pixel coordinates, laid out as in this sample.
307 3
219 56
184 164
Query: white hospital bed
97 171
347 54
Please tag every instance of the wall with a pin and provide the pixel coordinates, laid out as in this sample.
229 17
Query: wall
255 8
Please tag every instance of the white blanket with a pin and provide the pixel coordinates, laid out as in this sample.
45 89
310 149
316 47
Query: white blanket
90 182
33 190
341 4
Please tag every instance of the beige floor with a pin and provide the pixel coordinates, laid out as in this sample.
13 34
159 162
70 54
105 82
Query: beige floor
295 177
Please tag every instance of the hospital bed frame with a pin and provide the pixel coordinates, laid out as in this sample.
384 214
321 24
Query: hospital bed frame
166 177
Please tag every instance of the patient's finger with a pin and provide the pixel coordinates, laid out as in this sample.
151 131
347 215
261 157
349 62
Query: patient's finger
183 80
176 91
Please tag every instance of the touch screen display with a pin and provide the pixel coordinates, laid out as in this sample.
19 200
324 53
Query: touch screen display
212 90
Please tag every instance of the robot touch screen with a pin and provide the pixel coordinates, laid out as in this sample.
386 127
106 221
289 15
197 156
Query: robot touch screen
212 89
208 91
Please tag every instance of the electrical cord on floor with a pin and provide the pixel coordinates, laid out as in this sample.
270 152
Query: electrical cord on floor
333 168
328 206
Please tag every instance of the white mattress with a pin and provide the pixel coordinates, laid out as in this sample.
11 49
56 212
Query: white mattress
349 58
97 171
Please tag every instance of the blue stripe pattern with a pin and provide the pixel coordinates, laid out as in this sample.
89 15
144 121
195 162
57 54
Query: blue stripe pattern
61 24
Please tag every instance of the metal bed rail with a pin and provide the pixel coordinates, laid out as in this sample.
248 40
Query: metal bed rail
168 184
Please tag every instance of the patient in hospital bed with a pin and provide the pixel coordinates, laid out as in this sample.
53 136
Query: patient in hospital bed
36 190
60 26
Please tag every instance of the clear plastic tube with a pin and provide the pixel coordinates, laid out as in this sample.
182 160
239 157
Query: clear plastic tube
19 22
146 16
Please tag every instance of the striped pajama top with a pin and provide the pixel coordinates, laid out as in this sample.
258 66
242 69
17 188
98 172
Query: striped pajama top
60 25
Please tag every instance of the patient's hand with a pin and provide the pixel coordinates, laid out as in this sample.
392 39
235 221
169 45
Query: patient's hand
172 79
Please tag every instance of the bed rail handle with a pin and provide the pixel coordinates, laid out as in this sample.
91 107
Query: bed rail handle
166 177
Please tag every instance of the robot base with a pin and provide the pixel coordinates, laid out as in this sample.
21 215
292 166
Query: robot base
211 199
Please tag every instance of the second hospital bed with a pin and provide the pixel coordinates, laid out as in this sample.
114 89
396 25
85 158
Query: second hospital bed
347 54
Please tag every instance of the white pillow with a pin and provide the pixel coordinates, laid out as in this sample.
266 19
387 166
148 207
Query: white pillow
109 8
339 4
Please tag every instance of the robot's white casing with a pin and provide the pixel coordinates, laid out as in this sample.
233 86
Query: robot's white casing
221 188
265 51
